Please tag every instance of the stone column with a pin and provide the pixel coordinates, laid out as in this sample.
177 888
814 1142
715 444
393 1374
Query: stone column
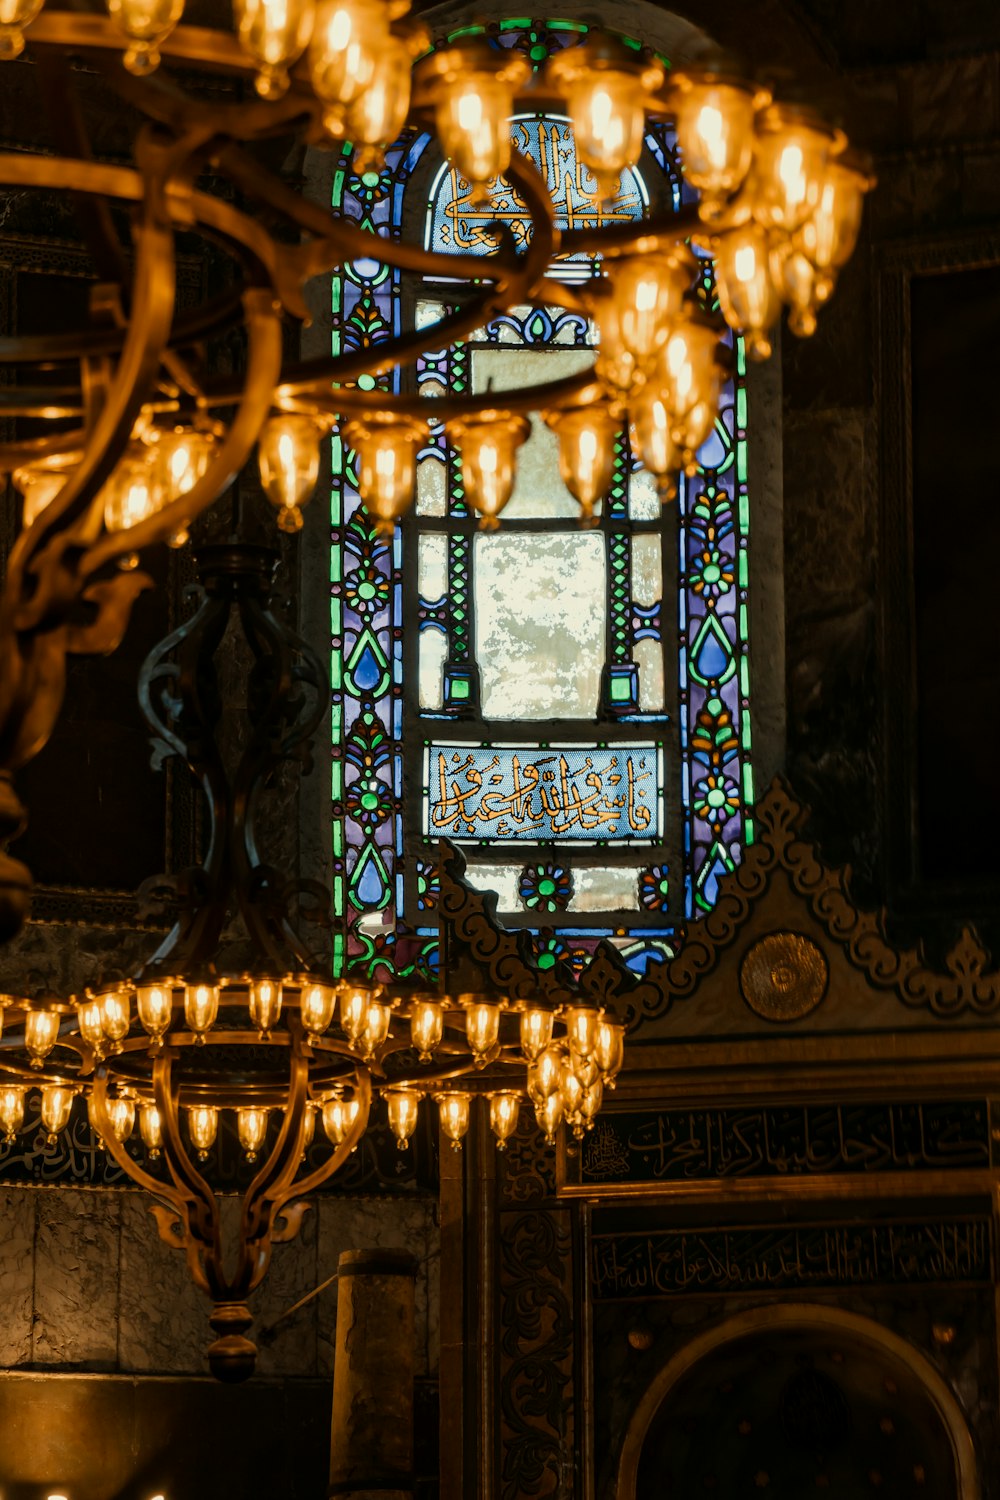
371 1445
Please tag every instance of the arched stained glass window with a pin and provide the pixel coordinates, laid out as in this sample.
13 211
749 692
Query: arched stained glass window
570 707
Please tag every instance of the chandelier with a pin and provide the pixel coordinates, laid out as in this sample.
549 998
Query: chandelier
273 1042
137 439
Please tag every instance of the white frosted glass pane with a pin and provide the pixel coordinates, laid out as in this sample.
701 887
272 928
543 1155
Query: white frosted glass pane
433 651
430 312
540 624
538 490
647 570
502 879
605 889
432 570
431 489
643 501
649 659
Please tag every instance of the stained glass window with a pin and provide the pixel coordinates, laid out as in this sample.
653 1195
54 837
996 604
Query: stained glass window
570 707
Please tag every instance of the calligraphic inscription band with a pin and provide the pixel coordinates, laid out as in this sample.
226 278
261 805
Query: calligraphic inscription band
464 222
681 1261
580 794
698 1145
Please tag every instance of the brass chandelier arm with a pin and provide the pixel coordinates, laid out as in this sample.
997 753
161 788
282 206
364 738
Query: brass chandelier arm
580 387
200 1209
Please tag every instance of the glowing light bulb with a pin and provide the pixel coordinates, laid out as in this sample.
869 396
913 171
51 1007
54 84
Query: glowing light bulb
791 153
288 455
147 23
652 438
714 119
133 492
182 458
376 1027
482 1027
41 1029
39 483
688 381
338 1117
115 1017
748 296
264 997
453 1111
91 1024
586 454
251 1127
308 1127
543 1075
347 39
316 1007
57 1102
354 1002
201 1006
609 1049
590 1101
582 1022
386 448
151 1129
829 235
426 1027
403 1106
504 1110
475 90
488 448
155 1006
121 1112
377 116
605 88
549 1115
203 1126
275 33
11 1109
536 1031
571 1090
15 15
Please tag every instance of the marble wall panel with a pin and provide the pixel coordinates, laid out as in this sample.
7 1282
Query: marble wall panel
288 1345
163 1316
17 1274
76 1278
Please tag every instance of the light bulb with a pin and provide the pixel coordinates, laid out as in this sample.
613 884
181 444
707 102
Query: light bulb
790 159
265 1004
504 1110
549 1115
582 1022
688 380
354 1002
151 1129
747 295
91 1024
115 1017
132 493
585 1069
571 1090
11 1109
426 1027
536 1031
181 458
475 89
316 1007
605 87
403 1113
713 117
146 23
386 449
121 1111
288 454
377 116
347 38
453 1110
201 1006
652 439
57 1102
203 1126
15 15
251 1127
586 453
155 1005
376 1027
801 286
590 1101
488 449
609 1049
829 235
41 1028
482 1027
308 1127
543 1075
338 1117
644 294
275 33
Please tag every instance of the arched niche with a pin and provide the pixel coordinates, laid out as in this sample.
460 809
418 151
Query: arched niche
798 1399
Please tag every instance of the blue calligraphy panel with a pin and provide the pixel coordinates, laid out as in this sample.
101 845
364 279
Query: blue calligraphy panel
511 794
